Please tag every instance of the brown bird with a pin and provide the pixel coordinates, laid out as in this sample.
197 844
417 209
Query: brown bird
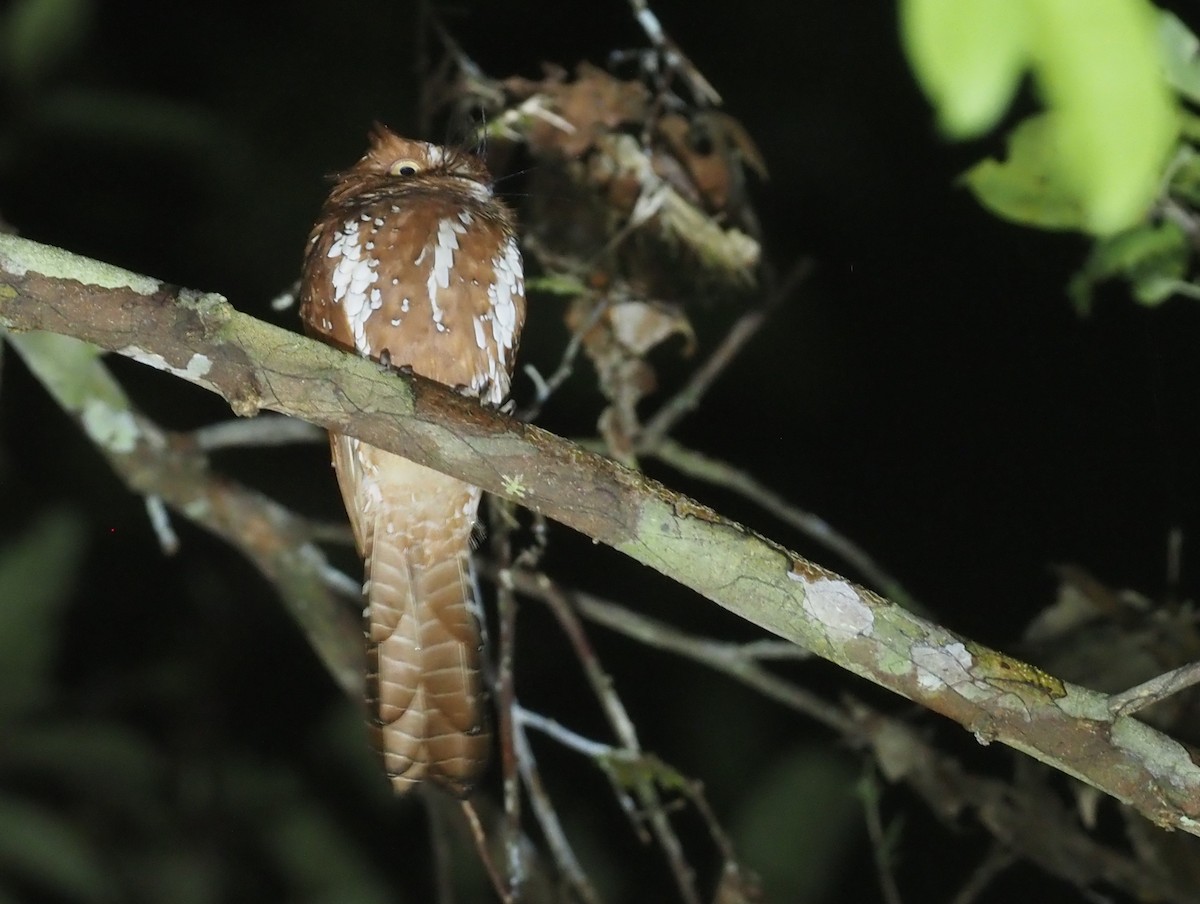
415 262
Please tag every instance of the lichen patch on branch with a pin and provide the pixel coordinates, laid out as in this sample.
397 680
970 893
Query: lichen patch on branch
20 257
837 606
194 371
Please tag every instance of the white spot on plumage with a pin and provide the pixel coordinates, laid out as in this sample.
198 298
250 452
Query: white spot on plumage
480 338
395 321
351 277
444 245
508 285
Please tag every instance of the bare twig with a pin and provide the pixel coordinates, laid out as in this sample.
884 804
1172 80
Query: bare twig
1156 689
160 520
543 809
439 834
545 387
997 859
673 57
739 661
880 843
160 466
266 431
593 750
501 545
479 836
704 467
624 728
747 326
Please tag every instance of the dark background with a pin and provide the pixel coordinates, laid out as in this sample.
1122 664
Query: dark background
930 392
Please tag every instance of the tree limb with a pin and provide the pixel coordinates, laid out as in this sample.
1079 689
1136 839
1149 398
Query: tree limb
255 366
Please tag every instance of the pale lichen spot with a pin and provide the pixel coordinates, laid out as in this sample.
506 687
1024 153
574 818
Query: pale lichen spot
194 371
837 606
942 666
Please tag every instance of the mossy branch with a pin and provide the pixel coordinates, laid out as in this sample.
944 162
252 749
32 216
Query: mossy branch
255 366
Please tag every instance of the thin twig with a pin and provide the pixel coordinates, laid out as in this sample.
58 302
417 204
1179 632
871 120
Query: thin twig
997 859
479 836
160 520
566 365
593 750
703 467
624 728
268 430
747 326
1155 690
672 56
736 660
439 834
547 817
506 603
879 841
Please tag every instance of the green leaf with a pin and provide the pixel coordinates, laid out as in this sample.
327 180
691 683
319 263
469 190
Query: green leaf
36 574
47 849
968 56
37 35
1154 258
1184 185
1180 55
1027 187
1097 65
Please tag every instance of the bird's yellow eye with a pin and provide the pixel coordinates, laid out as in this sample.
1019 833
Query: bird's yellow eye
405 167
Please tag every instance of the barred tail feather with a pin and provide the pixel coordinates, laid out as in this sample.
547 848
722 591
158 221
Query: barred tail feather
424 686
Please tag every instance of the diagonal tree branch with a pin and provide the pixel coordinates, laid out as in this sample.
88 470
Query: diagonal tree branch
255 366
